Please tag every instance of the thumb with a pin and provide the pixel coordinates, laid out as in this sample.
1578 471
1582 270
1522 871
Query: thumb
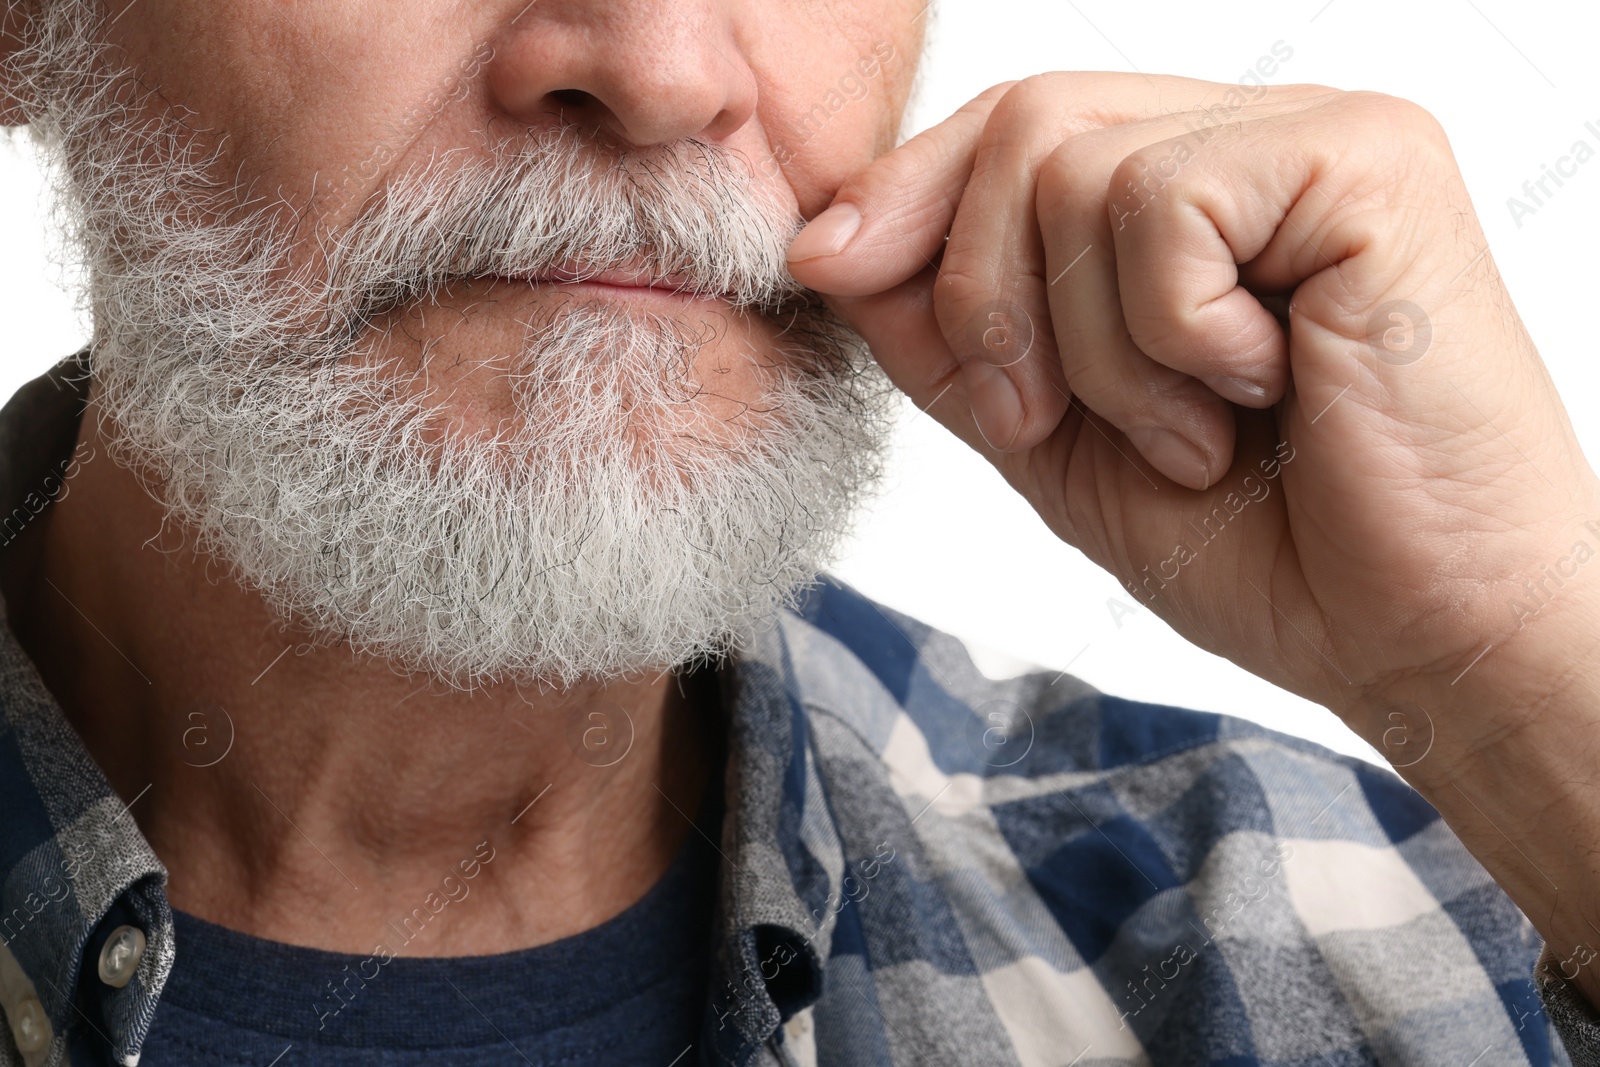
889 221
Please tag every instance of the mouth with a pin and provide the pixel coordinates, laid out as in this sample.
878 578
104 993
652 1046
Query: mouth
624 283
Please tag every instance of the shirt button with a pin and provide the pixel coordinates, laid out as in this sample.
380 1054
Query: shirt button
29 1025
120 956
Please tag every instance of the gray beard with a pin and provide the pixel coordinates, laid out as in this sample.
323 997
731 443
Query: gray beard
605 534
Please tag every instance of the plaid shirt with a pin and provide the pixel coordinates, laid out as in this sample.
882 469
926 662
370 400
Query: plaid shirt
924 865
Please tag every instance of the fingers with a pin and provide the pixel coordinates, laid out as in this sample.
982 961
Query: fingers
1193 314
1158 340
889 222
1183 428
994 270
1033 301
1291 205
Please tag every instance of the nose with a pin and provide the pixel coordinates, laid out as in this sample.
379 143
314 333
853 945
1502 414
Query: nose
645 71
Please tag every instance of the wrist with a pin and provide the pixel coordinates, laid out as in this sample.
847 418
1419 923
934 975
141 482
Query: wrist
1506 745
1526 645
1526 698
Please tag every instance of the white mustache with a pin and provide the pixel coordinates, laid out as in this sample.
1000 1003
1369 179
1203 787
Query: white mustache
559 204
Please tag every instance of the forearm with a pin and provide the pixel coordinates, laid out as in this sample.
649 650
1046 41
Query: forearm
1512 763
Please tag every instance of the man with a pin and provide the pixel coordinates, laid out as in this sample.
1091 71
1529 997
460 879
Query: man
413 652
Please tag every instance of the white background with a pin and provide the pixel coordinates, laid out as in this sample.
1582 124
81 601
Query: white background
1513 83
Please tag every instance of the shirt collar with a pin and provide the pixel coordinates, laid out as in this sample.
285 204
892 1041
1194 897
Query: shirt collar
74 865
784 859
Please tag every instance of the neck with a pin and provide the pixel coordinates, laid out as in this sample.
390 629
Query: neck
313 797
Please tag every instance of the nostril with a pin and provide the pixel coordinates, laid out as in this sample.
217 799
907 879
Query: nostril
571 97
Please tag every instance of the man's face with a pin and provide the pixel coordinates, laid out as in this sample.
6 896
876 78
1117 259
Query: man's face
366 284
349 95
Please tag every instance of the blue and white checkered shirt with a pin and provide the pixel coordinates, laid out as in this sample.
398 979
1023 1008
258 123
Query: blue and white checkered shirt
924 865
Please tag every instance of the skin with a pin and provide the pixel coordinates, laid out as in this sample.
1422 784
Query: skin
1419 489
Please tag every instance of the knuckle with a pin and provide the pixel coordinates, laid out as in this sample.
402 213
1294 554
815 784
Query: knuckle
1014 119
1396 114
1046 107
905 186
1105 390
921 214
958 292
1028 96
1158 329
1373 102
1145 178
1138 167
1401 143
1066 183
986 100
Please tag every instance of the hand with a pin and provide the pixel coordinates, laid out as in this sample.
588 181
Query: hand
1248 352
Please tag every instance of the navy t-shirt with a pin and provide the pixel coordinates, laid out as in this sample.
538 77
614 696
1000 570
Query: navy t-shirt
631 990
